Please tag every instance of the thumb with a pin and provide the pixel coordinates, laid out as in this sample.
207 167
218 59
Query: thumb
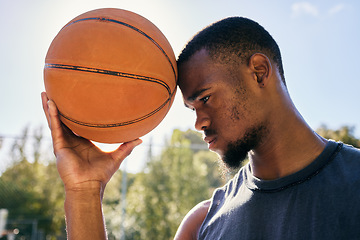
124 150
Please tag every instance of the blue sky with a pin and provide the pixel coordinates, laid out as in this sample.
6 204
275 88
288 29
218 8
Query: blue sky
319 41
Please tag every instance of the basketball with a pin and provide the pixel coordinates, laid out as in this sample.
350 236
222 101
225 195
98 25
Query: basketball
112 75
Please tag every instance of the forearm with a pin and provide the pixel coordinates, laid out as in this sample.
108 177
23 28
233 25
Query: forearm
84 216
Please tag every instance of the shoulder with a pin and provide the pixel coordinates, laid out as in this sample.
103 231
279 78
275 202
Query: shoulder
342 171
351 151
191 223
349 161
348 156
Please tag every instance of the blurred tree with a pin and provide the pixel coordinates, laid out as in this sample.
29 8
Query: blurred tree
31 189
170 186
158 198
345 134
184 174
112 203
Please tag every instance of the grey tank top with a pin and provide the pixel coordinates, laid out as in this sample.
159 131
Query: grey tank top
321 201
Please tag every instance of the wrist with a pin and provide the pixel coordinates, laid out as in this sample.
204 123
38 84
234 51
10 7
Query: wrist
84 191
83 211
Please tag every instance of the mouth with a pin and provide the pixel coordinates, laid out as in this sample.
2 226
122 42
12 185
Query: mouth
210 140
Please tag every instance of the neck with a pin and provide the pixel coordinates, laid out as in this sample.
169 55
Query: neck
289 146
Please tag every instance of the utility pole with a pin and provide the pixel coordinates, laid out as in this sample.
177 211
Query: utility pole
123 201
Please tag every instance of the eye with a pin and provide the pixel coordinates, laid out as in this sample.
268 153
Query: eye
205 99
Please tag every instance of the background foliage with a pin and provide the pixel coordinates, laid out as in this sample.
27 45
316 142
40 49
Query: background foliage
157 198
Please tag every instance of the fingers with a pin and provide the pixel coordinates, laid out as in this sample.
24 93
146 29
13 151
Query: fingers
51 111
58 130
53 119
45 99
124 150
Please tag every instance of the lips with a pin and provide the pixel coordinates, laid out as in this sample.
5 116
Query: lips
210 140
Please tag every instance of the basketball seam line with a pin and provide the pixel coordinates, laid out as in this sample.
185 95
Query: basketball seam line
112 125
134 28
102 71
109 72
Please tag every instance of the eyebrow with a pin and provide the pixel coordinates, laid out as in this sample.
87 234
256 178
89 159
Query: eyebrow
195 95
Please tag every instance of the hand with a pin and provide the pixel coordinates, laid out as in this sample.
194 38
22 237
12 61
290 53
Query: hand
81 165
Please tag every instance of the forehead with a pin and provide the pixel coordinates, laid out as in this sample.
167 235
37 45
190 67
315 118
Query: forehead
200 70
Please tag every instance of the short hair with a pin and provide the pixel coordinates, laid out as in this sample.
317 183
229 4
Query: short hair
234 36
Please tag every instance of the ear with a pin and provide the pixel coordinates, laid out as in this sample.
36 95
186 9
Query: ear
261 68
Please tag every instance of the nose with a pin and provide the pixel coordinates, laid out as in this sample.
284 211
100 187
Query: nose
202 121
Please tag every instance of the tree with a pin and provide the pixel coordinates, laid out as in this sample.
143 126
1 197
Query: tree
31 189
345 134
158 198
113 202
170 186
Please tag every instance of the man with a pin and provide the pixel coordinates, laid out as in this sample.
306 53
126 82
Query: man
297 185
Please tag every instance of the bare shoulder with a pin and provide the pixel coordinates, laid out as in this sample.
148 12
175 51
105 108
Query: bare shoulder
191 223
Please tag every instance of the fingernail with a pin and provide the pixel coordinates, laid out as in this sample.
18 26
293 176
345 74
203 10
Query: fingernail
139 141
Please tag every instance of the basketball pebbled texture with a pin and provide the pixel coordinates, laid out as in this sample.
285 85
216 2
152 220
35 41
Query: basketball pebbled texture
112 75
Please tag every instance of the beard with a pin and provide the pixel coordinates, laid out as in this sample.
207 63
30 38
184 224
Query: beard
237 151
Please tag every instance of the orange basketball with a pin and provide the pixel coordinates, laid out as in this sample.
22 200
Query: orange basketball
112 75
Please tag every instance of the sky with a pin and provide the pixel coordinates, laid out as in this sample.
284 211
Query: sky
319 41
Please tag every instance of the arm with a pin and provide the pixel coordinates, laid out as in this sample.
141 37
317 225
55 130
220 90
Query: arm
83 213
85 170
190 226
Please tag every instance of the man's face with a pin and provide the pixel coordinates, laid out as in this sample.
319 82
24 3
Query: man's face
228 111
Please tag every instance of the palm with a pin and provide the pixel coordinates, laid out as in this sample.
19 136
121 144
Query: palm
79 161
